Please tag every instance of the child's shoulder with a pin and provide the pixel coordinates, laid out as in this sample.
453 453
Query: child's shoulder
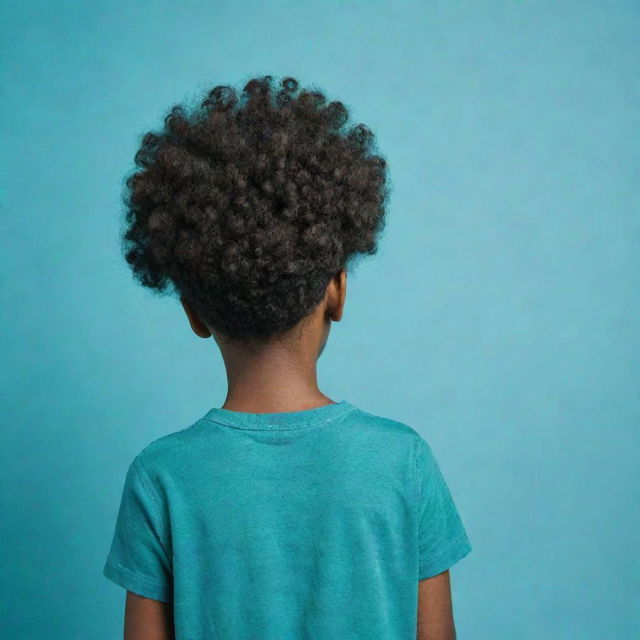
385 422
389 428
167 448
388 433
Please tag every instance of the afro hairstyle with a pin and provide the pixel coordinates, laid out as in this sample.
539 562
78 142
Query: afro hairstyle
248 204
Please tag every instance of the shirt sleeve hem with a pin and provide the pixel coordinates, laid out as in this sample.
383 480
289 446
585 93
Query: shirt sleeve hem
131 581
444 559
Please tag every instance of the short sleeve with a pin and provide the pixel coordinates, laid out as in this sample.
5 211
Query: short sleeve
138 559
442 537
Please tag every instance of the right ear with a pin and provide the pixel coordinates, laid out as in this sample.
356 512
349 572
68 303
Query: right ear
339 294
199 328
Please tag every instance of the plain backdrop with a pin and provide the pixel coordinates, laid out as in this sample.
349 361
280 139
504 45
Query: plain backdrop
499 319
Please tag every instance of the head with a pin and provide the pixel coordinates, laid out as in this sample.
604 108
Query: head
252 207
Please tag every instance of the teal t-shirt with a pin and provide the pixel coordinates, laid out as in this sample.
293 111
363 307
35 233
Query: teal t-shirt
314 524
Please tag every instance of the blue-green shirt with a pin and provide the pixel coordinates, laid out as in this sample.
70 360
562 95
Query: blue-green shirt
314 524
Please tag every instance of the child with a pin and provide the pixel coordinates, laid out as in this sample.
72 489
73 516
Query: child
282 515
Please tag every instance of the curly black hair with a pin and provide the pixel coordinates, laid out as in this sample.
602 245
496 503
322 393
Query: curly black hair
249 204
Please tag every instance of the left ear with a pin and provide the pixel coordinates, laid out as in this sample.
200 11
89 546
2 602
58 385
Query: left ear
199 328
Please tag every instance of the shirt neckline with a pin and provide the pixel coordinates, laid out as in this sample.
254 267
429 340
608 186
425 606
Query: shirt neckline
279 421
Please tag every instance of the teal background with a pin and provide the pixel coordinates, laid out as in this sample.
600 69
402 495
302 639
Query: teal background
500 317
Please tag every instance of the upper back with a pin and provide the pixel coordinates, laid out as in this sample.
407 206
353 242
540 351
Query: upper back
308 521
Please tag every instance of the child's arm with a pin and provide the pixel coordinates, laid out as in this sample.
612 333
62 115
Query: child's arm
146 619
442 542
435 611
140 559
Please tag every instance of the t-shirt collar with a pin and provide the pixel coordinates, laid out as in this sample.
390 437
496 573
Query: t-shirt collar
279 420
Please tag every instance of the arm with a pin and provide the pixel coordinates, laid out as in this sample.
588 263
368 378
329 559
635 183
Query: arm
435 611
146 619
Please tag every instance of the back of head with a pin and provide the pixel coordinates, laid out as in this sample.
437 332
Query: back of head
250 203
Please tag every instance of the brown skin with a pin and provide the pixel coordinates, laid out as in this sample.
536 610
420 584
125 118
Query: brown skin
146 619
435 610
281 376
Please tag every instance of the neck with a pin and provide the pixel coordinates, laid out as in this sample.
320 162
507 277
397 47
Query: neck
275 378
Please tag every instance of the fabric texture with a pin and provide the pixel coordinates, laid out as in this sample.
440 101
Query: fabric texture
310 524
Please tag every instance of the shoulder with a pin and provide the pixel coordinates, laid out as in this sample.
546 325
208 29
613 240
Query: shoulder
385 431
385 424
167 450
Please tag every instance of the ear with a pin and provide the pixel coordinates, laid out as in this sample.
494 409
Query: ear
199 328
338 294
